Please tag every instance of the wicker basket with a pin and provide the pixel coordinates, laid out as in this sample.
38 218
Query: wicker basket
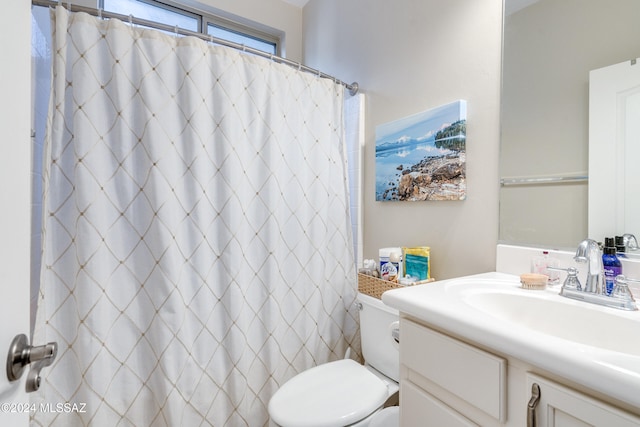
373 286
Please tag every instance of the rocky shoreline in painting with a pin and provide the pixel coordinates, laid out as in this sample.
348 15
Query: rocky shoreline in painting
433 178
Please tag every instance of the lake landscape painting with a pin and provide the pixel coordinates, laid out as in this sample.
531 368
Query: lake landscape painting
422 157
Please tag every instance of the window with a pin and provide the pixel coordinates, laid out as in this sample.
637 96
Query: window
152 12
193 20
241 38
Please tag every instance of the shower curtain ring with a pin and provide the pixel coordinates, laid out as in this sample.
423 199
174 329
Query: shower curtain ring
130 19
175 30
100 13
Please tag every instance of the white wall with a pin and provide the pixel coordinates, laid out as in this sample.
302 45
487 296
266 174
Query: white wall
409 56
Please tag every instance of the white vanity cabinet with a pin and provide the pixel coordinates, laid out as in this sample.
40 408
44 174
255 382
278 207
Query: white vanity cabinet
447 382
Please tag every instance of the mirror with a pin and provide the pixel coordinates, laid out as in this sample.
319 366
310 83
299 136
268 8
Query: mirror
549 48
614 140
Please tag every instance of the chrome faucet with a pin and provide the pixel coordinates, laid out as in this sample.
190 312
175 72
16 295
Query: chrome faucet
630 242
589 251
594 290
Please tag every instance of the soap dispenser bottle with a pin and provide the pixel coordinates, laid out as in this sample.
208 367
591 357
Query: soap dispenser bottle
611 263
620 247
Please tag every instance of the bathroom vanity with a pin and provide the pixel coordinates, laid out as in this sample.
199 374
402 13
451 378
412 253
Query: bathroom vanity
482 351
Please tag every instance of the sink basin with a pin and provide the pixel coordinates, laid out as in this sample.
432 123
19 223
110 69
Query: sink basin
551 315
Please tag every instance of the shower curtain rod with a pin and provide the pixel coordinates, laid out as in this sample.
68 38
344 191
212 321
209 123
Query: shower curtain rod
353 87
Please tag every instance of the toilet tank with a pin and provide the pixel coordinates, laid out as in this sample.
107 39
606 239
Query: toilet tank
379 348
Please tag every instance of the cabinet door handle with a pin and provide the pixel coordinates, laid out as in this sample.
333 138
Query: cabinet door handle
531 406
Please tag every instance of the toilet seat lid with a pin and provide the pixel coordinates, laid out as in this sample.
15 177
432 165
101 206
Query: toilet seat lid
336 393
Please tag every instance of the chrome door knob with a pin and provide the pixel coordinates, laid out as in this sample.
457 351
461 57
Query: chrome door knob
22 354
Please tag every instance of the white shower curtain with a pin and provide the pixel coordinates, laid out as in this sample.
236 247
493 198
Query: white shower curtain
197 248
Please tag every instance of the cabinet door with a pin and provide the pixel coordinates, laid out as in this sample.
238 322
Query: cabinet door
419 408
473 375
562 407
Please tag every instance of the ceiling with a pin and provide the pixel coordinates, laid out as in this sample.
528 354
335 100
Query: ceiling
299 3
511 6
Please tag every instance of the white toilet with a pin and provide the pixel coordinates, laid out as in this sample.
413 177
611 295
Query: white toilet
344 392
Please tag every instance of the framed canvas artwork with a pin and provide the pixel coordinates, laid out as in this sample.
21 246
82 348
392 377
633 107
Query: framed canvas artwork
423 156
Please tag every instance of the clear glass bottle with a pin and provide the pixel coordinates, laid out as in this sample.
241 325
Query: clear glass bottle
539 265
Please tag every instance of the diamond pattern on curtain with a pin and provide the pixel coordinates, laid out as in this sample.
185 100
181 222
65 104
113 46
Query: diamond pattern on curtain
196 241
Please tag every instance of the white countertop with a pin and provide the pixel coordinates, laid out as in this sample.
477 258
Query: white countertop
564 351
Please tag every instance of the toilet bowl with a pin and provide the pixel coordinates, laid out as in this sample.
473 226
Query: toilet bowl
344 392
388 417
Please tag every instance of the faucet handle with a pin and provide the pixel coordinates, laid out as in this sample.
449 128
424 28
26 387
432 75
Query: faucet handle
621 288
571 282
